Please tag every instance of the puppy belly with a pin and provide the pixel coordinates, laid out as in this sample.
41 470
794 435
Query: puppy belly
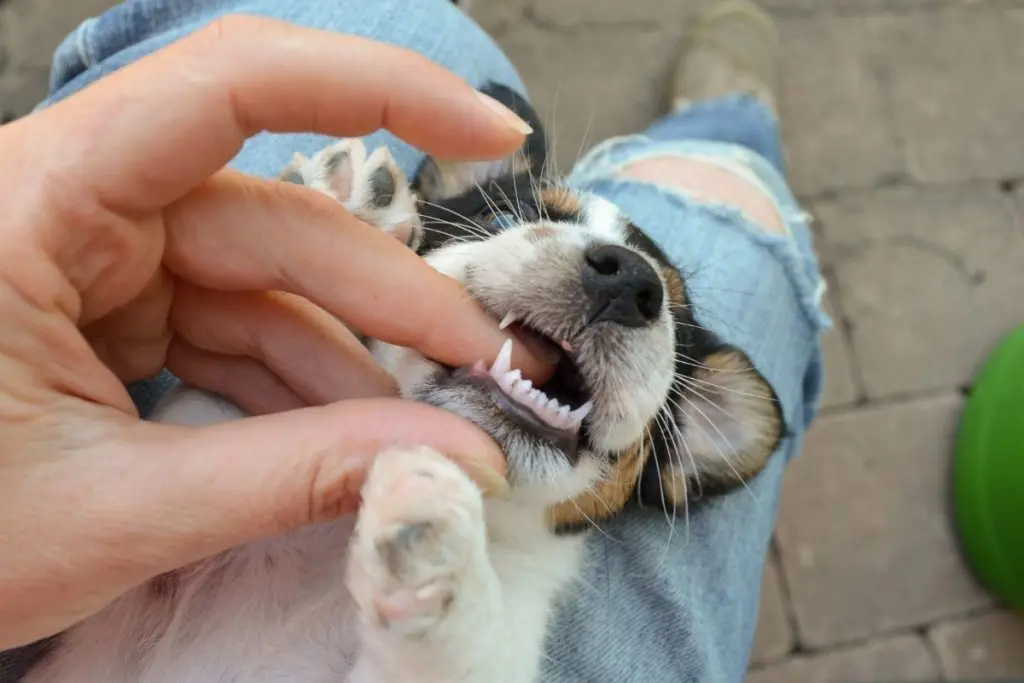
271 612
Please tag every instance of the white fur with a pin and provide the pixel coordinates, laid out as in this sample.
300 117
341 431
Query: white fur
305 607
281 610
430 582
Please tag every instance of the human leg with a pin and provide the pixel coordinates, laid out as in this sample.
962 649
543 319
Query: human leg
676 599
702 605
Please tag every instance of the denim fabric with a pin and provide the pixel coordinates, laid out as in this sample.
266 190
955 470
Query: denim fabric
676 600
659 602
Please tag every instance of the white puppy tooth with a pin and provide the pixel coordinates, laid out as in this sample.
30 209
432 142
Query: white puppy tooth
504 360
554 405
566 346
563 413
480 367
509 318
522 388
581 412
508 380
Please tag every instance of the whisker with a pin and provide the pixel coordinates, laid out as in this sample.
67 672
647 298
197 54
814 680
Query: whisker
672 521
691 381
718 448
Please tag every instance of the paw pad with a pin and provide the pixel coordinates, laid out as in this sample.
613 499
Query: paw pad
372 187
420 532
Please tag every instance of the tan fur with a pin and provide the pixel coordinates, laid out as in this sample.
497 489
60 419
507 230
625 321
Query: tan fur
674 287
608 496
560 201
734 373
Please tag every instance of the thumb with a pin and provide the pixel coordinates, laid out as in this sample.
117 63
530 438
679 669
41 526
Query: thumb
195 491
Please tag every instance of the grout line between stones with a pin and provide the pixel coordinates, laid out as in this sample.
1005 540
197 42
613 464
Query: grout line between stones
891 400
902 181
933 652
895 8
920 631
787 600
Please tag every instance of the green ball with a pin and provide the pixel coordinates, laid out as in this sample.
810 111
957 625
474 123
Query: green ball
988 473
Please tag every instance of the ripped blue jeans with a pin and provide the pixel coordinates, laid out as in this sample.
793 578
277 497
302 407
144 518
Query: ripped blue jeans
648 610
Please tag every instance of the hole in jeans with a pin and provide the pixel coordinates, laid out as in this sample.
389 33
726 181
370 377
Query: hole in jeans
708 181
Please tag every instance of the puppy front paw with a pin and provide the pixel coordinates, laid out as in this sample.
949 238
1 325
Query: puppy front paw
372 187
420 542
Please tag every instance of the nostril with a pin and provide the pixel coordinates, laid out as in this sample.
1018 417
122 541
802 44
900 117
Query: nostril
648 302
621 286
603 261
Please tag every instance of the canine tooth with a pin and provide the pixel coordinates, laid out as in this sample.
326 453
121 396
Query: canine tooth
480 367
504 360
566 346
577 415
509 318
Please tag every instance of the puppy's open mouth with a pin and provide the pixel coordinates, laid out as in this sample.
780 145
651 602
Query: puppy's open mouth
555 412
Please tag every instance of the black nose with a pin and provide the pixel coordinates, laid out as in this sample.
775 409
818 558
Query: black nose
622 286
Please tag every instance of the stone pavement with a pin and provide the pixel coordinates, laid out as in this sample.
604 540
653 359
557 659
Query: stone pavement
902 120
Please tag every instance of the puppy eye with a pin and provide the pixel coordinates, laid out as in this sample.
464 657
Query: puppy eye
528 212
509 214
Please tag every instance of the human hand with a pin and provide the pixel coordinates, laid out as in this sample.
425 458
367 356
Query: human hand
125 247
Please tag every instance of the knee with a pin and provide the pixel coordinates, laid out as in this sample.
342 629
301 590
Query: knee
705 180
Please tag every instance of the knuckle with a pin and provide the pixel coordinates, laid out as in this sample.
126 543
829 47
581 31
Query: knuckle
333 487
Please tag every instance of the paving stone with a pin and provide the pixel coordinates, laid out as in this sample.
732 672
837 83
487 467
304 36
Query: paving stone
31 29
843 5
982 648
863 529
901 659
21 91
923 275
579 84
496 17
834 114
576 13
956 90
774 638
840 383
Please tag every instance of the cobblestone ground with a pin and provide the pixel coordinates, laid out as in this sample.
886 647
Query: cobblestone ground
902 120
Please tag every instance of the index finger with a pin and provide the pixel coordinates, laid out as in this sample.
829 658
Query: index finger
243 75
279 236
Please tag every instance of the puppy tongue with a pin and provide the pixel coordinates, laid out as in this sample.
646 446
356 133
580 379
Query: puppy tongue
537 344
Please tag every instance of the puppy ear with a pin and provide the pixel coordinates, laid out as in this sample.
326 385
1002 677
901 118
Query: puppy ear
441 180
722 424
296 171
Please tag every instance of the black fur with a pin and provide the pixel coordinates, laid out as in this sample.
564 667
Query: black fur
516 194
508 192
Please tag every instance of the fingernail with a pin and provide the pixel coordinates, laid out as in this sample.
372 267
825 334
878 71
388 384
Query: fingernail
491 484
506 114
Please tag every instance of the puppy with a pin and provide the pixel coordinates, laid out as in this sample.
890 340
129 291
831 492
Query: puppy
432 581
